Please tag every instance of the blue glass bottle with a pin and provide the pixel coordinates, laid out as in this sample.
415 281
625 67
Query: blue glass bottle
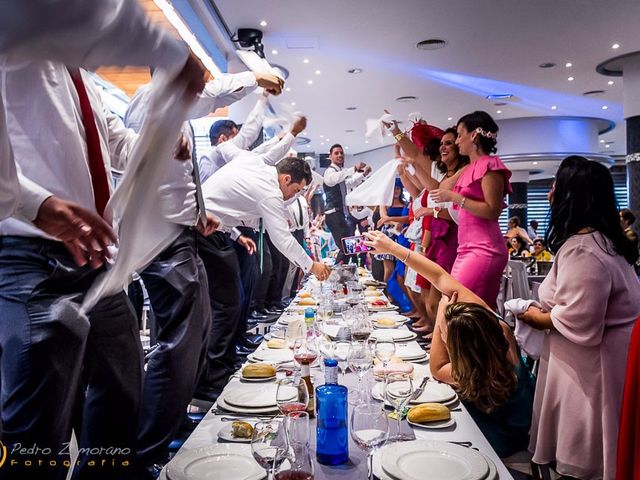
332 432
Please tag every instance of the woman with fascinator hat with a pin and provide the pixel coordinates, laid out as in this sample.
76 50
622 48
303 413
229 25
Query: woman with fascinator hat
478 197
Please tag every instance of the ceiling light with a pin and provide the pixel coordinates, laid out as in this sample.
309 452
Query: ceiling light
498 111
306 60
547 65
431 44
610 82
321 136
354 71
348 147
554 107
571 79
604 107
351 108
449 118
263 23
318 72
293 104
607 146
568 64
499 96
407 98
601 141
366 141
274 52
288 89
535 163
309 82
321 143
615 46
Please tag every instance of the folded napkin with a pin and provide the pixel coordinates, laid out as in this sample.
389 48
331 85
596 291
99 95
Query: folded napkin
530 339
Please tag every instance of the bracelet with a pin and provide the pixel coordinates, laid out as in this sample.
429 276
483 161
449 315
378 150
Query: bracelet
436 212
464 199
399 136
407 257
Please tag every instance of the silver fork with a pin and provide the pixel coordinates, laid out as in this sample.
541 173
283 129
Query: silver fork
418 391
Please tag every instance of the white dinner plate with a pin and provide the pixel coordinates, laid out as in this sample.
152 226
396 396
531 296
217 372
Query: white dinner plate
434 392
225 433
434 425
410 460
380 474
279 355
232 408
386 308
257 380
251 397
396 335
216 462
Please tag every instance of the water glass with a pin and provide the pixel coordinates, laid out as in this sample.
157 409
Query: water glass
359 360
341 353
384 349
398 392
269 444
369 429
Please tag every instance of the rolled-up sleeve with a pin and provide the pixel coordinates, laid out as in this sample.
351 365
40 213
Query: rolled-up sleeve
274 215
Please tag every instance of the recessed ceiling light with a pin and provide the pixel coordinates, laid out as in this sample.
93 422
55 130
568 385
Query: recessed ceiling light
355 71
348 147
449 118
407 98
351 108
568 64
604 107
321 136
366 141
535 163
554 107
309 82
293 104
318 72
274 52
571 79
498 111
306 60
431 44
601 141
288 89
615 46
321 143
547 65
610 82
263 23
607 146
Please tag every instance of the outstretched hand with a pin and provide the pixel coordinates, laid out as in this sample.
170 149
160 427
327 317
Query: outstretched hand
379 242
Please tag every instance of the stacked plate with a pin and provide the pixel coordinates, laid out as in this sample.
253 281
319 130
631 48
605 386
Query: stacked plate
397 319
269 355
411 352
434 392
397 335
249 399
442 460
215 462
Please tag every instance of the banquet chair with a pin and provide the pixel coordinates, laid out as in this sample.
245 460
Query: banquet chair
519 280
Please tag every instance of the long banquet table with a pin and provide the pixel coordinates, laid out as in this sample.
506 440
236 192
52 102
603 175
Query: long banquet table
465 430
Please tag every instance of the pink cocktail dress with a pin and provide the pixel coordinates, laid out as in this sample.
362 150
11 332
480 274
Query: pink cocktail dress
482 252
594 300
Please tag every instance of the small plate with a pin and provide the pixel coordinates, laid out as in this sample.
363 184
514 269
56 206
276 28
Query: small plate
215 462
271 355
231 408
434 425
225 434
396 335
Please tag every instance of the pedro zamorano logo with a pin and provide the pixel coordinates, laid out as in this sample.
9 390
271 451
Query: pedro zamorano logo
3 454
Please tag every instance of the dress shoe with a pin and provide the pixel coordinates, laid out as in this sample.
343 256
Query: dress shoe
251 341
270 311
243 351
277 305
256 315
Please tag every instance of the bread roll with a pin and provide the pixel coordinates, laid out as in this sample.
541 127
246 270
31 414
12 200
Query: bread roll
258 370
277 343
372 293
304 295
307 301
428 412
386 322
241 430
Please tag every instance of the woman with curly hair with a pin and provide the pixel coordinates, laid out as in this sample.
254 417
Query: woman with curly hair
475 352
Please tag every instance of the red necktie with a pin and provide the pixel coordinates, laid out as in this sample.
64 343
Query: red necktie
94 153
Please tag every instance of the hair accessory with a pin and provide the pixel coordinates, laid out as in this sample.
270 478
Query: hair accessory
422 133
491 135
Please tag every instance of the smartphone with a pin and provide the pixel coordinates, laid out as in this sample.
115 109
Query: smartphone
354 245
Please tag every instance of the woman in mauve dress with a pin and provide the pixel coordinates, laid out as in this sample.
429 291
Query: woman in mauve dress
479 196
590 302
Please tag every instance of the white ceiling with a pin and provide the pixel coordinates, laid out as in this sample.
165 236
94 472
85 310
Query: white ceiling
494 46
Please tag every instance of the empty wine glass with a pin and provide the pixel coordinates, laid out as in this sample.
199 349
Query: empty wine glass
341 354
359 359
369 429
269 445
292 395
398 392
384 348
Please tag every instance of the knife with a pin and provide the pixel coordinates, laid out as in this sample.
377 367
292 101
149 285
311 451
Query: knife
417 392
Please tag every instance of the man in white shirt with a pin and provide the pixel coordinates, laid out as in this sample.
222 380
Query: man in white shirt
177 283
337 182
57 127
242 192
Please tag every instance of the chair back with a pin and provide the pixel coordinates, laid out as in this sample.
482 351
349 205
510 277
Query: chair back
519 281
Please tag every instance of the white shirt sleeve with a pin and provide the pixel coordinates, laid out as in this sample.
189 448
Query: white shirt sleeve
222 91
121 140
354 180
31 197
251 126
333 177
278 151
274 215
91 34
264 146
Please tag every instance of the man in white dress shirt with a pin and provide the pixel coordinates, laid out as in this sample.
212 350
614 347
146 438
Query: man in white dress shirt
177 283
57 126
337 182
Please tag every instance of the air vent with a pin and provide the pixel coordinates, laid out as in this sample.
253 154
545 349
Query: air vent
499 96
547 65
500 104
408 98
354 71
431 44
351 108
593 93
350 130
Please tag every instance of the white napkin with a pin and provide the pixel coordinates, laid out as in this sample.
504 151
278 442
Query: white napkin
377 189
295 329
530 339
375 130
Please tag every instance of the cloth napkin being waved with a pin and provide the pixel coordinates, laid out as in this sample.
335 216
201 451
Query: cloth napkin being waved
530 339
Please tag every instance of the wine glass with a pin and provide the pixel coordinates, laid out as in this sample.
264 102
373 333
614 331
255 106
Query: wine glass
359 359
361 328
269 444
398 392
325 310
369 429
341 354
299 465
292 395
304 351
384 348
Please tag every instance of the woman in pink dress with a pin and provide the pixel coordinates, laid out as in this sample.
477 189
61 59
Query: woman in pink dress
590 302
478 197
